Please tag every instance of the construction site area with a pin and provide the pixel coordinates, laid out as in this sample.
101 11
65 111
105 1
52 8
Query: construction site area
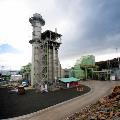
44 83
46 70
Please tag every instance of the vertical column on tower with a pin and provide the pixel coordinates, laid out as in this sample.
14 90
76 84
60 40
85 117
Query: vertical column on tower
36 73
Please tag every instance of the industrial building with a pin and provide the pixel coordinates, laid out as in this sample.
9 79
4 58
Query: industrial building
87 68
83 67
110 69
45 61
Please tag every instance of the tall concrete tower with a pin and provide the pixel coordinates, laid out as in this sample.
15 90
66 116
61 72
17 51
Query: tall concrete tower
45 62
37 22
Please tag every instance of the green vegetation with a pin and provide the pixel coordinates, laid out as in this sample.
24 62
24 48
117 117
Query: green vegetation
6 77
25 71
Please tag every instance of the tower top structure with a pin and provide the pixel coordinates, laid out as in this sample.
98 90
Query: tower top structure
37 17
37 22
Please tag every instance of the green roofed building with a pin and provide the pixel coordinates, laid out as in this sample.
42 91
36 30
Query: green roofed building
70 82
71 79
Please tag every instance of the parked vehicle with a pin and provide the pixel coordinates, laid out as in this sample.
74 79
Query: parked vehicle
25 83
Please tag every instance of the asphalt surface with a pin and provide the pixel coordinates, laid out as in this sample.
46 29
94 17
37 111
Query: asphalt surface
13 105
60 111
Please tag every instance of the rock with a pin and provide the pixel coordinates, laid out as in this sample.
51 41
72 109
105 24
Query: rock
76 114
111 114
102 118
93 118
102 101
116 118
117 114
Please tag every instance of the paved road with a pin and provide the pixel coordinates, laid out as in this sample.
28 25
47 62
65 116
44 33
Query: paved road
60 111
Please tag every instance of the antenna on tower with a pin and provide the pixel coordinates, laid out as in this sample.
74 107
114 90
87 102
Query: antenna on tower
117 53
55 30
118 57
55 34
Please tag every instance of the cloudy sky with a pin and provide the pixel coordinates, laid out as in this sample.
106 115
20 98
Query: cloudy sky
87 26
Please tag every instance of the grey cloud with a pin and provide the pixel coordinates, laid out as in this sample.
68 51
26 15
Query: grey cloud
97 26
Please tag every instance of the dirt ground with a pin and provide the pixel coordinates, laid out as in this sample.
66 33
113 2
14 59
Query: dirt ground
12 105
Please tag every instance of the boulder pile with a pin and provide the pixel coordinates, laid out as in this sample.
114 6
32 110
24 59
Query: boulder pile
107 108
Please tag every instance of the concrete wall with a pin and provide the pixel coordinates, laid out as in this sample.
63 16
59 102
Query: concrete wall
36 65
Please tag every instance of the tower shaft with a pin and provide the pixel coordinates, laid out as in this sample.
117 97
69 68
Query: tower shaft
37 50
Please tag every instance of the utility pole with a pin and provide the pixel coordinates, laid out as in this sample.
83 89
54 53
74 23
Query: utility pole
117 58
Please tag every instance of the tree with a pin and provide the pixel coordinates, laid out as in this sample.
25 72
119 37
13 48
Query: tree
26 71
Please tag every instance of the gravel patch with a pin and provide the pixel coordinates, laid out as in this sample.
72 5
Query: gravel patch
13 105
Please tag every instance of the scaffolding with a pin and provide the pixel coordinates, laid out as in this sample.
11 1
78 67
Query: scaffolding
54 41
44 62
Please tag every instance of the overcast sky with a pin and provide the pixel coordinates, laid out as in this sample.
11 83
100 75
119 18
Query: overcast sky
87 26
